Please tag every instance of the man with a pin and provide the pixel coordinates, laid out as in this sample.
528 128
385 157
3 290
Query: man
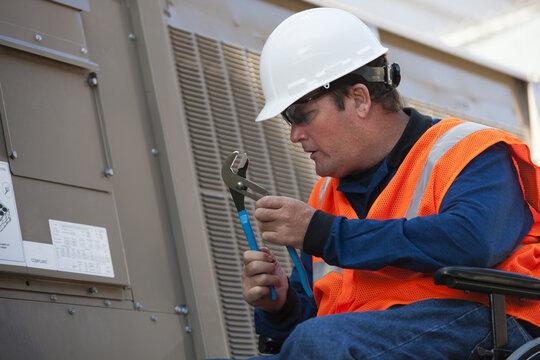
401 195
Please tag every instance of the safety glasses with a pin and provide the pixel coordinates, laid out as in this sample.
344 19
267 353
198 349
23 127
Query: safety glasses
296 113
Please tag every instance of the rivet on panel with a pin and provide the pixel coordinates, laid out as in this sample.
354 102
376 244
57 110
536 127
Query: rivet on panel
84 50
38 37
154 151
138 305
132 36
92 81
154 317
188 329
53 297
109 172
93 290
181 310
13 155
71 311
107 302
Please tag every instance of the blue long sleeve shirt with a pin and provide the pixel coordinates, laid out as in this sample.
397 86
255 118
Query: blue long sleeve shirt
482 218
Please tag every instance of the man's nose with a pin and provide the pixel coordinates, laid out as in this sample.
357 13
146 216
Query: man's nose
297 133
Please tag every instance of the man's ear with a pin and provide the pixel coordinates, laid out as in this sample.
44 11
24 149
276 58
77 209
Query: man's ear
362 99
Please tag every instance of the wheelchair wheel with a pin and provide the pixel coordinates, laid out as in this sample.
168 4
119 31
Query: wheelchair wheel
527 351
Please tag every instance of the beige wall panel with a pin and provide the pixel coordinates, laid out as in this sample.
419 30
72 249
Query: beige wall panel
241 22
458 86
39 201
36 330
52 121
142 213
45 28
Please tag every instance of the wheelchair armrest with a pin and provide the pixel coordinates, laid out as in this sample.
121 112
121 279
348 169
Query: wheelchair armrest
488 281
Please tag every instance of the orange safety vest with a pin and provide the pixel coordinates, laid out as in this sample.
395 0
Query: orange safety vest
417 189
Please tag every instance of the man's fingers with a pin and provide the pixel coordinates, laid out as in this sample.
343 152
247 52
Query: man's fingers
254 255
266 214
256 295
259 267
270 202
271 236
265 280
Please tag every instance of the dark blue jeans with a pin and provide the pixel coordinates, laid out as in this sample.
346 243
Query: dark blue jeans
430 329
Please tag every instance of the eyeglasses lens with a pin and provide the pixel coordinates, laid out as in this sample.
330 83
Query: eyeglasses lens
294 114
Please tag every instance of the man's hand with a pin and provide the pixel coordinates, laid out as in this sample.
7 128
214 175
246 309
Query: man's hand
262 269
283 220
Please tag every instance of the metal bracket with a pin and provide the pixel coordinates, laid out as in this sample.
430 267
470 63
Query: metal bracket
93 83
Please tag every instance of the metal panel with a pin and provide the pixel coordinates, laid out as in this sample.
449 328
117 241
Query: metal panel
46 29
77 4
154 272
221 97
458 86
36 330
243 22
52 120
39 201
179 178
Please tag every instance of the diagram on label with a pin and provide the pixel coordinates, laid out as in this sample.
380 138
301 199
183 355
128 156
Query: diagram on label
4 216
11 244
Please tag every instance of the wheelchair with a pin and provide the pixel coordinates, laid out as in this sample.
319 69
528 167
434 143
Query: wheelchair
497 284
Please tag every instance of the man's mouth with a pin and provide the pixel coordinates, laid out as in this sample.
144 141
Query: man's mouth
310 152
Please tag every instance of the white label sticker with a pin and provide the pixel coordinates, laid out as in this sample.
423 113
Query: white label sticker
11 247
82 249
40 255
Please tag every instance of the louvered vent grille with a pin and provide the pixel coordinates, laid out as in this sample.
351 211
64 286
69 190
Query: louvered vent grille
221 96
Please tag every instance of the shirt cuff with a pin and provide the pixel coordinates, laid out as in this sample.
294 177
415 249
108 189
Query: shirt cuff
289 309
318 232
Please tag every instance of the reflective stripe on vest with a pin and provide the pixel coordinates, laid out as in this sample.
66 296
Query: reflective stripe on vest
443 144
438 156
321 269
323 189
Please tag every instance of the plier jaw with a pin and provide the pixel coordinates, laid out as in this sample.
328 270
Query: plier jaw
233 172
234 177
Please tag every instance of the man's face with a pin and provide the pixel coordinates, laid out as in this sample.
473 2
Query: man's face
332 137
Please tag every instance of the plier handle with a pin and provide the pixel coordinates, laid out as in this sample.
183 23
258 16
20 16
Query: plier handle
234 176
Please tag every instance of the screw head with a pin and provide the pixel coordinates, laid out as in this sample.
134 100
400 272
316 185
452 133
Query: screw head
71 311
240 186
13 155
84 50
181 310
93 290
188 329
53 297
154 318
109 172
107 302
138 305
132 36
38 37
154 151
92 81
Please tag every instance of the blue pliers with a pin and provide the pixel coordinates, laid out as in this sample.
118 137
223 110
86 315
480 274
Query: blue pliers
233 173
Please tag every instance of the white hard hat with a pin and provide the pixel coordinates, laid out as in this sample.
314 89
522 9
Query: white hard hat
310 49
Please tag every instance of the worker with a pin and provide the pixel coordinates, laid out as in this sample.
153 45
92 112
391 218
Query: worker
400 196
